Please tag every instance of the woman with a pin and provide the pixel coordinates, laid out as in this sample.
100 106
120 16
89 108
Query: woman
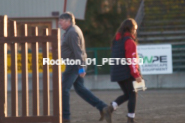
124 46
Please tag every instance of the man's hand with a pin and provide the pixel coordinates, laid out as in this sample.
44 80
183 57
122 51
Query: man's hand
139 79
82 75
82 72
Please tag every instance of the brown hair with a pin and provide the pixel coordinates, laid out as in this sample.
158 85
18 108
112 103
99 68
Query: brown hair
127 26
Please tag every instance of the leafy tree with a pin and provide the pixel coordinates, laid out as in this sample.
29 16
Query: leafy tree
99 27
102 19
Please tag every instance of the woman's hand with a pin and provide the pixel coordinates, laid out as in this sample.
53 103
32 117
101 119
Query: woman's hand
139 79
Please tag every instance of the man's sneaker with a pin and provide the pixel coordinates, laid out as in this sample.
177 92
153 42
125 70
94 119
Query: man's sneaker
130 120
65 121
107 111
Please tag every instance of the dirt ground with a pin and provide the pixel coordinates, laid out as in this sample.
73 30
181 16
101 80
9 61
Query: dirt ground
153 106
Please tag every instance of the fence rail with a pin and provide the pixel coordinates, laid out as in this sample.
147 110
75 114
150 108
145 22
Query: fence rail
12 39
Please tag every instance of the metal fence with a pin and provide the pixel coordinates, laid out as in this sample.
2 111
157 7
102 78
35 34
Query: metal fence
178 57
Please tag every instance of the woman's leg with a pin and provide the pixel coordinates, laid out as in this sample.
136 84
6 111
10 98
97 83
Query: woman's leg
129 94
132 97
121 99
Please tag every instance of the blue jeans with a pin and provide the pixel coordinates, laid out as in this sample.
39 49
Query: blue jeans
70 77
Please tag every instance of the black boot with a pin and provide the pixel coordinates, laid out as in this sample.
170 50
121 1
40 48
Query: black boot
131 120
107 113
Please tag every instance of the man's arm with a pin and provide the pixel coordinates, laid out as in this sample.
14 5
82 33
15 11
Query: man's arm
76 45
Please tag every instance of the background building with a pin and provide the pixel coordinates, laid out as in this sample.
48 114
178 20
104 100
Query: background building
41 13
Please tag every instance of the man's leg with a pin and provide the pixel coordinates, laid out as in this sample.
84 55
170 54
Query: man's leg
87 95
68 78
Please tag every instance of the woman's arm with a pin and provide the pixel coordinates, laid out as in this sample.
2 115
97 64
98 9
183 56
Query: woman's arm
131 52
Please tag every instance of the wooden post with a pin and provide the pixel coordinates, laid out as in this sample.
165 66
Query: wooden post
57 100
46 94
24 61
14 77
3 70
65 5
35 74
57 93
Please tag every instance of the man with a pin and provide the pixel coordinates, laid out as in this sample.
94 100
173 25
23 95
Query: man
73 48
